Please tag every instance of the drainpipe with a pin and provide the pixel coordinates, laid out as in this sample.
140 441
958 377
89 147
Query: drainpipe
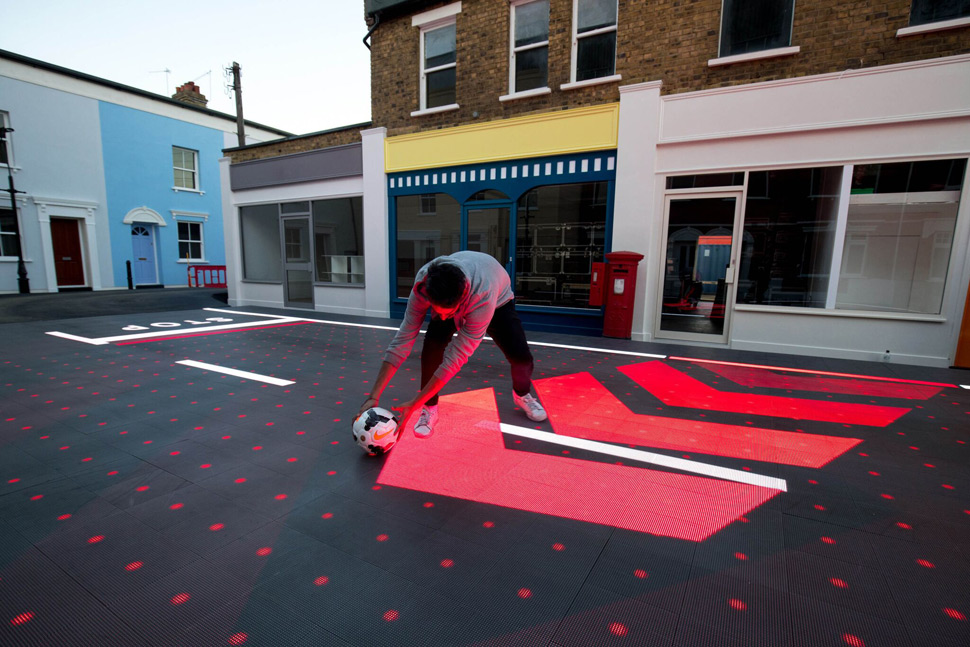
377 21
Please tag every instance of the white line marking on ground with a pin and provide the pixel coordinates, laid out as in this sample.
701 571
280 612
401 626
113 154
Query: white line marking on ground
649 457
86 340
169 332
231 371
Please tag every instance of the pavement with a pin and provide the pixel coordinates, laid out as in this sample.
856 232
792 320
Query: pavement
177 472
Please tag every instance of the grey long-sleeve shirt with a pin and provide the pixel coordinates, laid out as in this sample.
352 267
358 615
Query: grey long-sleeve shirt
489 287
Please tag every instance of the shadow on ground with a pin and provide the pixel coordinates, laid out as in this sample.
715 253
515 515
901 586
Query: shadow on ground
20 308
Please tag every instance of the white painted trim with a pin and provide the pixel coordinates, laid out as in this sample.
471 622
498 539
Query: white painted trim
942 25
61 202
536 92
852 314
179 189
754 56
838 248
682 464
434 15
144 214
641 87
431 111
588 82
186 215
235 372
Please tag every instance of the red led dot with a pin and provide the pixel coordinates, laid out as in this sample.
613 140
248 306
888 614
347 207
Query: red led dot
618 629
956 615
904 526
205 466
240 480
737 605
640 574
22 618
488 524
264 551
376 487
216 527
37 497
819 507
238 638
134 566
327 515
558 546
836 582
280 497
13 481
887 496
95 539
447 563
64 517
428 504
391 615
321 581
174 453
853 641
181 598
925 563
113 473
257 448
741 556
331 472
176 506
291 460
524 593
948 486
382 537
142 488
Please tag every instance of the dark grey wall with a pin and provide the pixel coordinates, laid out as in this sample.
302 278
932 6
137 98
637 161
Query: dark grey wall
338 161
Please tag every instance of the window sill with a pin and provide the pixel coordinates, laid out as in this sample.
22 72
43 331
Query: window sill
575 85
525 94
956 23
754 56
179 189
850 314
434 111
193 261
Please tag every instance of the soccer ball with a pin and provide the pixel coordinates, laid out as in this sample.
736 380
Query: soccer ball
376 430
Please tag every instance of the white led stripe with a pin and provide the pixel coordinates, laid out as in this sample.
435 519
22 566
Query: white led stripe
681 464
171 332
231 371
86 340
611 351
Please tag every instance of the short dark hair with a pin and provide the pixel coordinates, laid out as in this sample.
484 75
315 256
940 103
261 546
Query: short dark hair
445 284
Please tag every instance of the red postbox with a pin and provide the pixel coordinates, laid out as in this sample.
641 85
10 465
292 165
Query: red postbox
619 293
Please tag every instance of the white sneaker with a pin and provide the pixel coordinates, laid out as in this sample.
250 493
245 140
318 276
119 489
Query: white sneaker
530 406
424 427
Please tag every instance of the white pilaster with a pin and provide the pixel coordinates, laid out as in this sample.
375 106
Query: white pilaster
376 231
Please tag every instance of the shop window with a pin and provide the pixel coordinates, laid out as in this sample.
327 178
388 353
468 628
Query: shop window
529 68
190 241
338 240
560 233
706 180
5 139
755 25
924 12
789 235
260 232
594 39
185 165
899 230
421 239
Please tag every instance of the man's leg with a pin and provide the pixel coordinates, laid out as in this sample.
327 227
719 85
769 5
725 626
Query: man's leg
440 332
506 329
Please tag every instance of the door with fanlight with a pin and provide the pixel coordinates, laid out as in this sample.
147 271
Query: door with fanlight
143 268
699 266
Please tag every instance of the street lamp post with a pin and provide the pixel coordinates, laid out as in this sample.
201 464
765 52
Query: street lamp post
23 283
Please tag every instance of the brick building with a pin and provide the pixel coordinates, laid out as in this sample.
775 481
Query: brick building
791 172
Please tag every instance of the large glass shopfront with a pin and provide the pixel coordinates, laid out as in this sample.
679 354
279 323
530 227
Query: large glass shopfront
546 221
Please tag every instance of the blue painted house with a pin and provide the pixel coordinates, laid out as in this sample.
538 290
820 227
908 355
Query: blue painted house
110 176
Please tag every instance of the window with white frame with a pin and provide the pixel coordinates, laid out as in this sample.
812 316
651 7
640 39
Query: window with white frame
185 164
594 39
5 151
8 233
190 241
755 25
439 63
529 61
924 12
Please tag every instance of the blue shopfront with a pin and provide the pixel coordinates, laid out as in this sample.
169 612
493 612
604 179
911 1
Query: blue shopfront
546 219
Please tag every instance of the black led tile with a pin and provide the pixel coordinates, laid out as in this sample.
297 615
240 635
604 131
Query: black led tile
764 568
327 517
445 563
843 584
817 624
599 617
830 541
259 555
636 572
561 546
758 614
492 527
379 538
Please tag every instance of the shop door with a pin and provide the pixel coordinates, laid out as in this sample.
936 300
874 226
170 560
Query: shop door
143 251
487 231
699 266
297 263
66 243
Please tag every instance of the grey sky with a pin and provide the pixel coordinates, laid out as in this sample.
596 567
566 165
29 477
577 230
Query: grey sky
304 67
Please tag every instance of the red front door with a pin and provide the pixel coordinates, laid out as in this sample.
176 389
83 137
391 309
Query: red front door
66 242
